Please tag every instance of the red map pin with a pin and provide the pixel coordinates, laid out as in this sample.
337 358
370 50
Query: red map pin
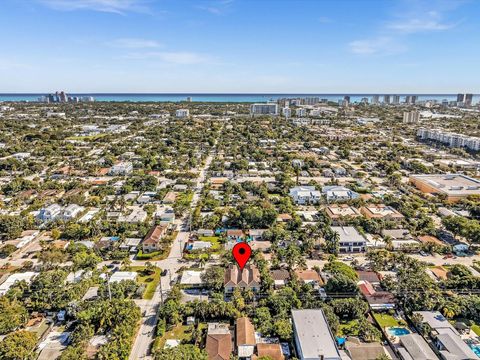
241 252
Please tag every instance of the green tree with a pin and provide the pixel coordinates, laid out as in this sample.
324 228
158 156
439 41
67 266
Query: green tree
19 345
184 352
12 315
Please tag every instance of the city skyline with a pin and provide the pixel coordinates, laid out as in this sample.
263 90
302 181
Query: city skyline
234 46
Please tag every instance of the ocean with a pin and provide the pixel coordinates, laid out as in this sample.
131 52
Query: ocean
223 98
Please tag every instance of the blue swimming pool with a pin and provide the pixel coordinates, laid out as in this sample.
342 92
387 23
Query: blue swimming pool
398 331
475 348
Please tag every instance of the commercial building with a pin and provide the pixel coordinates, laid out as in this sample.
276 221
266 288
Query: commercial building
313 337
264 109
454 186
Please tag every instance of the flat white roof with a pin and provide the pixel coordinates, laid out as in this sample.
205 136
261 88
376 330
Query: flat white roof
313 334
123 275
12 279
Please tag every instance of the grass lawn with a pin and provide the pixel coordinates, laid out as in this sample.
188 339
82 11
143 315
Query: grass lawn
476 329
385 320
150 281
344 327
182 333
39 329
214 240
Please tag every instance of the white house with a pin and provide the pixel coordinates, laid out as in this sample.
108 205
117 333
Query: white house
339 193
305 195
71 211
350 239
122 168
182 113
50 213
12 279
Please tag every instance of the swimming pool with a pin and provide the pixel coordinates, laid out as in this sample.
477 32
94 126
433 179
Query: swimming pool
398 331
475 348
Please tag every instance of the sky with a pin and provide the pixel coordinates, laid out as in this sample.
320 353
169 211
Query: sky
240 46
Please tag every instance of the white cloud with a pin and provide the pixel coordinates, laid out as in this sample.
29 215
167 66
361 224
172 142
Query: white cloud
134 43
382 45
217 7
430 21
111 6
172 57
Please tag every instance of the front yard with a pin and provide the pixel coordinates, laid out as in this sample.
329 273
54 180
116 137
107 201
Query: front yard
150 281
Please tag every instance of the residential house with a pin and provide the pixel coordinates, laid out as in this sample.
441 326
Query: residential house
256 234
50 213
245 338
280 277
235 234
71 211
191 278
445 337
269 351
313 337
339 193
377 298
341 212
350 239
152 241
122 168
309 277
381 211
302 195
248 278
414 347
363 351
219 342
400 238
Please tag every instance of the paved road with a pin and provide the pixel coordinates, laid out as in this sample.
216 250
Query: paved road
146 333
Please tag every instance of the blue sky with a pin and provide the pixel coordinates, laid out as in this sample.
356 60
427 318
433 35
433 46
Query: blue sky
316 46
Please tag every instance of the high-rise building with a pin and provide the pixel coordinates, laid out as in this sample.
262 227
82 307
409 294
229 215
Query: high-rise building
301 112
464 99
386 99
364 100
468 99
411 117
312 100
264 109
411 99
182 113
396 99
375 99
287 112
346 99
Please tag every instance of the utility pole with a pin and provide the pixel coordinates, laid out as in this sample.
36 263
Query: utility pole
108 286
161 292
